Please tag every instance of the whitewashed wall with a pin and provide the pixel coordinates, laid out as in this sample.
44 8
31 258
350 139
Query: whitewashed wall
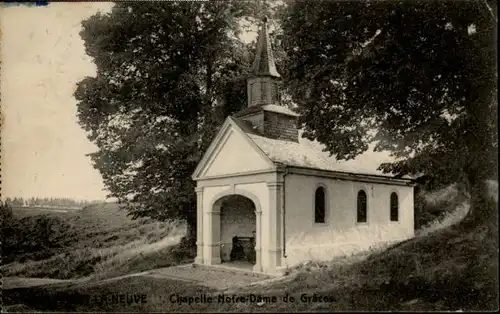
341 234
235 156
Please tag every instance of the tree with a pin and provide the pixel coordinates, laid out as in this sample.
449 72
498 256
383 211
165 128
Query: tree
6 214
167 74
416 77
17 201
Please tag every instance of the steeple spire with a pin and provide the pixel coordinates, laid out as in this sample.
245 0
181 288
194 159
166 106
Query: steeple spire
262 85
263 64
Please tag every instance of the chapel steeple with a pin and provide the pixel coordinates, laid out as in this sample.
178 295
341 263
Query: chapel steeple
266 115
262 85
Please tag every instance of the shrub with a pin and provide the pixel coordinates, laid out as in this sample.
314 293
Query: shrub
33 237
5 213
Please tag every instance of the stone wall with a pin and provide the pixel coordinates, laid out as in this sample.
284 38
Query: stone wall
280 126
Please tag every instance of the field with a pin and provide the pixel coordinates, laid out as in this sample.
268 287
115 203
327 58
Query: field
99 240
21 212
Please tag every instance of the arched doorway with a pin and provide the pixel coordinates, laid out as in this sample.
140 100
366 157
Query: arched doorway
238 230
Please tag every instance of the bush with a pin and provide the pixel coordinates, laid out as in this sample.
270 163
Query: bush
33 237
5 214
184 251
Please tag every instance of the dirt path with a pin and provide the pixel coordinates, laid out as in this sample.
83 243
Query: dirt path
216 278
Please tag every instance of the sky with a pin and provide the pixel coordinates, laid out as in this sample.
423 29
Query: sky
43 148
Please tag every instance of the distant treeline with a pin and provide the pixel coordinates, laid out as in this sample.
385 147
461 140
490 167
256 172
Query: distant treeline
48 201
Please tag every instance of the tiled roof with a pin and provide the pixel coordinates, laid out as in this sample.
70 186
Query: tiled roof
310 154
279 109
272 108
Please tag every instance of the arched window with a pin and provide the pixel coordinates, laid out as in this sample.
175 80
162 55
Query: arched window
394 207
319 205
361 208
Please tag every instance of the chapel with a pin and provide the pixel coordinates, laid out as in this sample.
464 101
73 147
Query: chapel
268 199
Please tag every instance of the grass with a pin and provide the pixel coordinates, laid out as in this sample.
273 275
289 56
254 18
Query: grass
449 268
80 298
102 241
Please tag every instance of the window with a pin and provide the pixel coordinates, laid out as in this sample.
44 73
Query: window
361 208
263 89
394 207
256 94
319 205
275 92
250 94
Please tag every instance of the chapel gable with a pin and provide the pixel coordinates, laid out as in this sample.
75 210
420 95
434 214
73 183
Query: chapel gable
234 154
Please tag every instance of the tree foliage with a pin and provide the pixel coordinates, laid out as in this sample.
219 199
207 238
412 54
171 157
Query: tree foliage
48 201
167 75
416 77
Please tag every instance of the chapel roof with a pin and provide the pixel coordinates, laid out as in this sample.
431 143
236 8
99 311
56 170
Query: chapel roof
310 154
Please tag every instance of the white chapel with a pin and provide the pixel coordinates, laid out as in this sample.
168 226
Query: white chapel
268 199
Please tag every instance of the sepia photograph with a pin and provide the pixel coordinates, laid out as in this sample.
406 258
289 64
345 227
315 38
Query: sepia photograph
249 156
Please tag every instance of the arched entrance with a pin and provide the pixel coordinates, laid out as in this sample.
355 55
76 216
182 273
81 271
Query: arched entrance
238 235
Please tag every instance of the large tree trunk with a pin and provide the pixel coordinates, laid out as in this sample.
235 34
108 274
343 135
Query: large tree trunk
478 168
189 239
191 229
479 142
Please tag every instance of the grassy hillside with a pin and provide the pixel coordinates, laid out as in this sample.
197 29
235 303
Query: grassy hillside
98 240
